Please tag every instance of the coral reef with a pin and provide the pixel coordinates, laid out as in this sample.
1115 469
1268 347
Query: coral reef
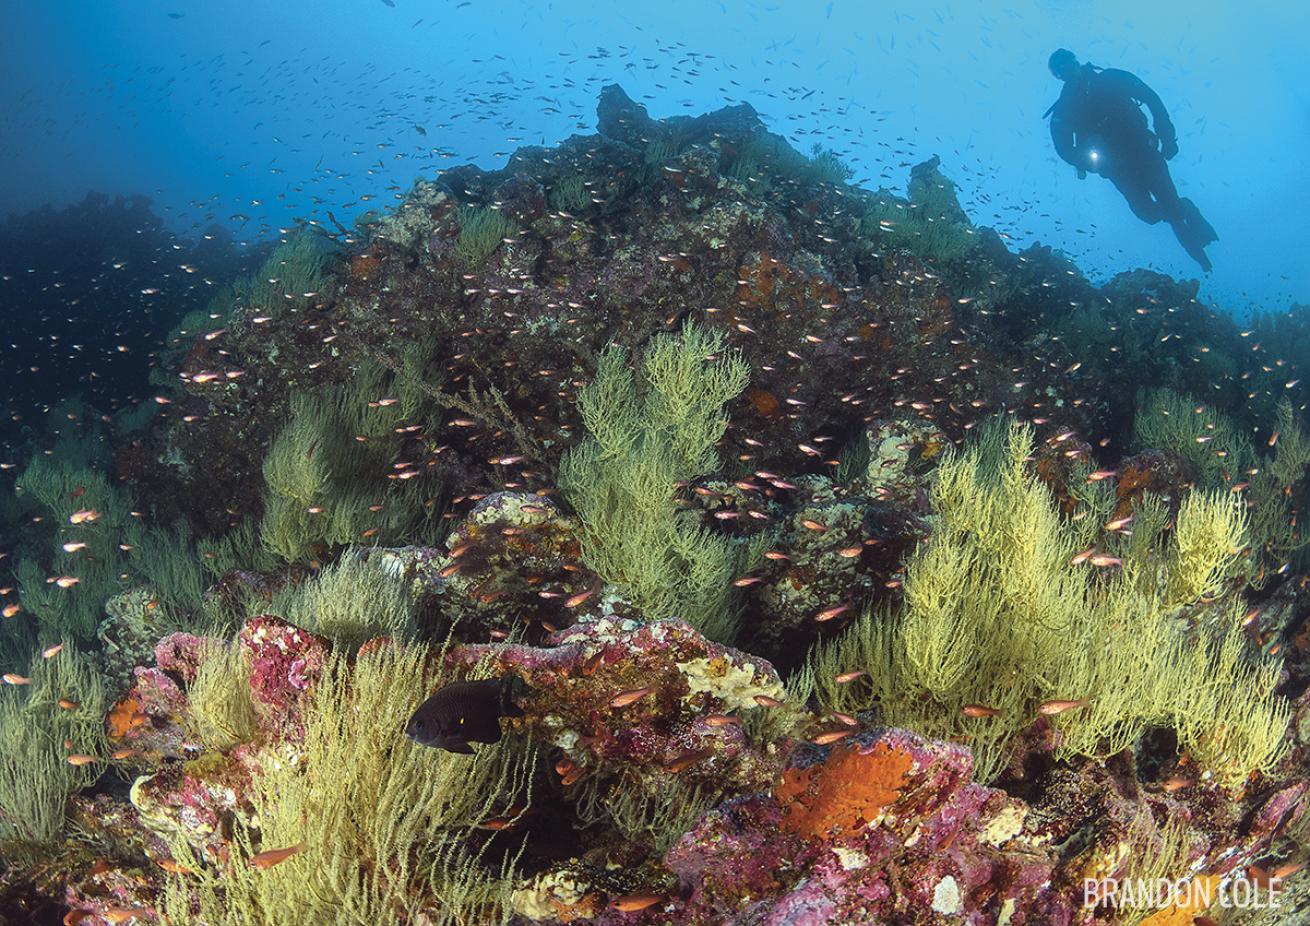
856 570
632 698
931 224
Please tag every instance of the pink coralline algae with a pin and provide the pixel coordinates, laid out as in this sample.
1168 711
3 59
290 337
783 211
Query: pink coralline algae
285 661
179 653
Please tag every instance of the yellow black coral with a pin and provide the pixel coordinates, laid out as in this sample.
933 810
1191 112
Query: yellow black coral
1002 617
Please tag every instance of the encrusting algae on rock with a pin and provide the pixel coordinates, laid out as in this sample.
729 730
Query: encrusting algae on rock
675 473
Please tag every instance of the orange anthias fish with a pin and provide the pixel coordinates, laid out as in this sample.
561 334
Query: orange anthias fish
273 857
1051 708
1263 877
624 698
574 600
630 903
497 823
687 759
1287 869
1081 557
829 613
568 771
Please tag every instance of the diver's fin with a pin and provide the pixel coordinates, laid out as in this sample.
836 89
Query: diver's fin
1198 254
1205 232
1187 237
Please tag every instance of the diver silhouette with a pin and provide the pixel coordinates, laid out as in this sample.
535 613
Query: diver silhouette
1097 125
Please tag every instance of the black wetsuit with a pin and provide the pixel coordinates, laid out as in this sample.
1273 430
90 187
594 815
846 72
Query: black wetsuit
1098 125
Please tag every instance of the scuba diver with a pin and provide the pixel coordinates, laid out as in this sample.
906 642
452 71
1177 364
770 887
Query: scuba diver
1097 125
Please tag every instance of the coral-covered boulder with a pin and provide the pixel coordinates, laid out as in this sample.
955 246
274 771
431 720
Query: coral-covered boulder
1117 828
902 453
886 827
836 552
514 559
179 654
648 700
285 661
197 802
117 880
153 719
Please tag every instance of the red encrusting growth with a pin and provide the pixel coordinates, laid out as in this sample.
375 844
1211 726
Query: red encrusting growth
840 796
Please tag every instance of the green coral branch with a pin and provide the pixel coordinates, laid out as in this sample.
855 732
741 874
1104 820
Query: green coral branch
220 699
325 473
481 231
642 440
36 777
295 274
350 601
88 551
1001 618
383 823
1223 457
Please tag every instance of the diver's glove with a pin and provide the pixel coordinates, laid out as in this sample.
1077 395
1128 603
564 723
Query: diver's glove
1168 144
